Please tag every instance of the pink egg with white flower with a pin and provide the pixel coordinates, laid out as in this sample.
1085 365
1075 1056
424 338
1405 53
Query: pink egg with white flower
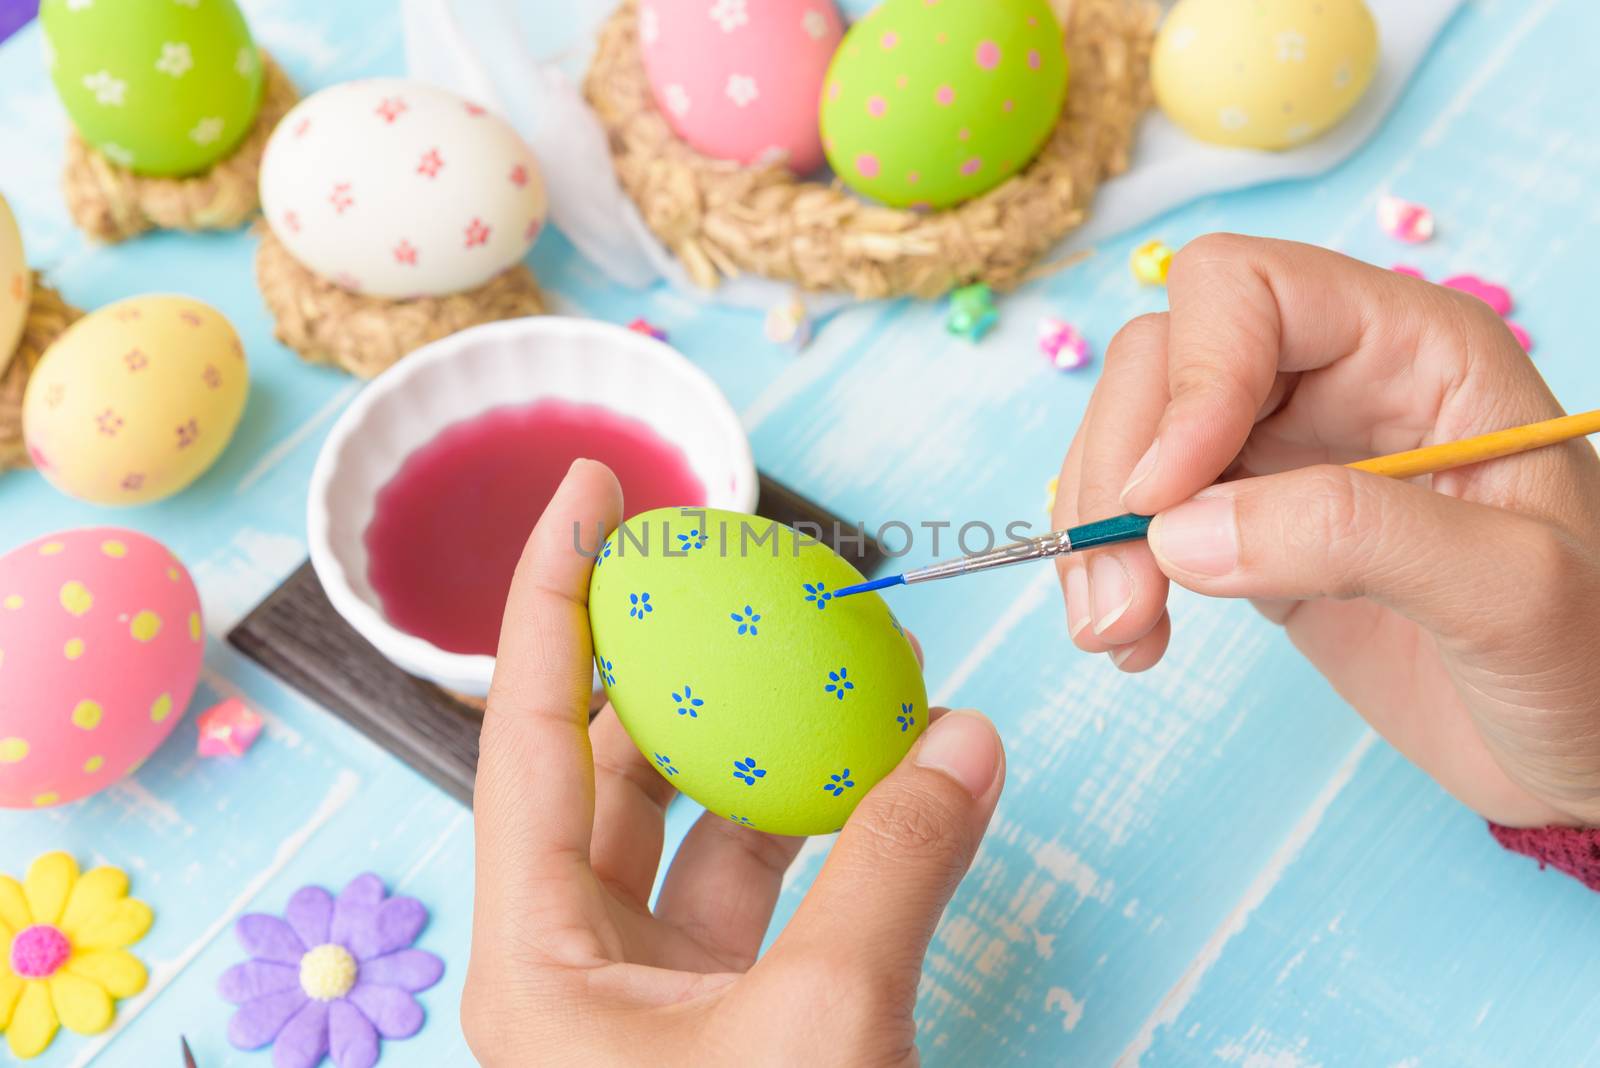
397 189
100 650
739 79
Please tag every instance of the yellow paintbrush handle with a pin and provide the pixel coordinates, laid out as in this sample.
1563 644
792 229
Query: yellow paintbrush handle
1437 458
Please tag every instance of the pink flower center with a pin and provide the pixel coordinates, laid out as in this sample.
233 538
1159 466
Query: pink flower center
38 951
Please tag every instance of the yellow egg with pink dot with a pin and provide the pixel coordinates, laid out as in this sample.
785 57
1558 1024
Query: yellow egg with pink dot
100 645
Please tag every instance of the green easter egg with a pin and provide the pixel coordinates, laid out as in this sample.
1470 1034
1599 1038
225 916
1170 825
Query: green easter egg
740 676
928 104
162 87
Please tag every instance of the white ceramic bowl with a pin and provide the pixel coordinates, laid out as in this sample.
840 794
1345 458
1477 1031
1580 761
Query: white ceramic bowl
518 361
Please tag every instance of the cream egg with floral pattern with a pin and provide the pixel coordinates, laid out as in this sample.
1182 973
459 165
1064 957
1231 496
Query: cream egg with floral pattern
396 189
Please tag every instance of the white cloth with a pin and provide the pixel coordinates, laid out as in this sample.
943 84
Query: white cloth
478 48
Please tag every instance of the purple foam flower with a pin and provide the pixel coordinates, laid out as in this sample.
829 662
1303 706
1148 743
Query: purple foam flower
331 977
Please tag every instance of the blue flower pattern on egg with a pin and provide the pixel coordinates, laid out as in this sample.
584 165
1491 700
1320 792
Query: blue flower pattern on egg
747 620
838 683
641 605
839 783
692 540
606 669
664 762
906 719
605 551
743 821
688 704
818 594
895 623
746 771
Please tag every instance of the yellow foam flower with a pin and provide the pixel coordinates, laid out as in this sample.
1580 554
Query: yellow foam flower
62 960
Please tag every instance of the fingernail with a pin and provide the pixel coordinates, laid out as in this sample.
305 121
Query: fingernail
1110 589
962 745
1120 654
1077 600
1199 536
1142 469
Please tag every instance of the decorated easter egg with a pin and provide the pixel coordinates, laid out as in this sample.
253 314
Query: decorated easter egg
1271 74
16 285
100 647
134 401
738 79
398 189
162 87
741 677
927 105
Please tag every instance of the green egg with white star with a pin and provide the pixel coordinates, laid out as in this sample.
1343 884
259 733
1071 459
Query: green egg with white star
740 675
929 103
162 87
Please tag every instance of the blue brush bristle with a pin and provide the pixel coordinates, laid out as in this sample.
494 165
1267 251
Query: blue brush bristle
868 587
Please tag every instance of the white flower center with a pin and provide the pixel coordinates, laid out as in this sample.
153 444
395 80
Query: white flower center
327 972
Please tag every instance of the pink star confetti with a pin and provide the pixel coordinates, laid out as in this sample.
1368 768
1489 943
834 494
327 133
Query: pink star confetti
227 729
109 423
474 110
340 198
190 317
291 222
1498 297
211 377
1404 220
649 329
132 483
430 164
1062 345
136 360
405 253
519 176
301 127
477 233
187 433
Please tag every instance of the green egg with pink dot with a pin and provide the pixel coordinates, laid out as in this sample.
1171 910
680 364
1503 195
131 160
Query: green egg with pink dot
161 87
929 103
740 675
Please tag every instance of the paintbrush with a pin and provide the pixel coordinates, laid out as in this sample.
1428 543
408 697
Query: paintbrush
188 1054
1424 461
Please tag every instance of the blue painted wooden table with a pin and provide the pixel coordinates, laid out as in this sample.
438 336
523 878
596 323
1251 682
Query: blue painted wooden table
1213 862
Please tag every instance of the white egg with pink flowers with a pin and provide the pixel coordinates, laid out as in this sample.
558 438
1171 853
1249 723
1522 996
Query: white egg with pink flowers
397 189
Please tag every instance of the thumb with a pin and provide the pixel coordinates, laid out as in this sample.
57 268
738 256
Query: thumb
1456 568
869 916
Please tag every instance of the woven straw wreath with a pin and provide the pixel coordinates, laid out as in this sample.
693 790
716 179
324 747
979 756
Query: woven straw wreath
722 219
48 317
364 335
111 203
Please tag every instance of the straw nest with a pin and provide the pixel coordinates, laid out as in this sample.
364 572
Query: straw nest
364 335
111 203
721 219
48 316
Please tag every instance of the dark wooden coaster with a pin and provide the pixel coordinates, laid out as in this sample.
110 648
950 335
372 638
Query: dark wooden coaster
298 636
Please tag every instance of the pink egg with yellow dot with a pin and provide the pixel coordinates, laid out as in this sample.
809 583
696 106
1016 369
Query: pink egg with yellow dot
100 650
738 79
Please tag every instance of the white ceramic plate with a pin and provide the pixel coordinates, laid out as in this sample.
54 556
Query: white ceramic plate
519 361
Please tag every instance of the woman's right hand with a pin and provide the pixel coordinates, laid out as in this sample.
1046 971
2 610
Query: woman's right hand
1460 617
